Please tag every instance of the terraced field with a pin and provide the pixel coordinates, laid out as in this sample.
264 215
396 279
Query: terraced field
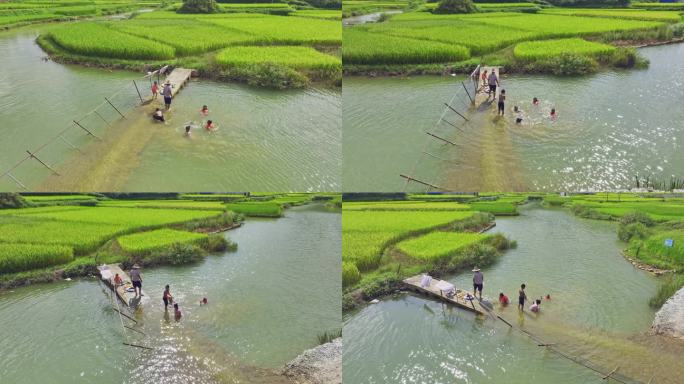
437 246
46 236
144 242
423 37
242 42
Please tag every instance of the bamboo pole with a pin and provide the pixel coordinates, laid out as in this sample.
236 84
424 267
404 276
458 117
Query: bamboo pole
86 129
110 103
40 161
440 138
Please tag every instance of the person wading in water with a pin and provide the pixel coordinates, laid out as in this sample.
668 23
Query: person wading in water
167 297
136 279
522 297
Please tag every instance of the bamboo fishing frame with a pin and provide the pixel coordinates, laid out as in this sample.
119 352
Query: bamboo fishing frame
60 135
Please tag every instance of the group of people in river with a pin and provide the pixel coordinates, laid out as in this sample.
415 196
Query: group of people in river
478 284
490 82
167 297
167 93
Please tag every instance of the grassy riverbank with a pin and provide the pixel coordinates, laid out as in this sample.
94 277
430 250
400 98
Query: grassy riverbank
289 50
647 224
554 40
49 237
17 13
385 241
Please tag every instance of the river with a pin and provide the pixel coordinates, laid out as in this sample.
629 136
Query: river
267 303
598 311
611 126
286 140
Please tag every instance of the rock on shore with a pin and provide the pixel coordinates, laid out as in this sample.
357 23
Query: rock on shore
669 320
319 365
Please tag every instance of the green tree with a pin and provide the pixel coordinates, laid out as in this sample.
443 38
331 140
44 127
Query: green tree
198 6
455 6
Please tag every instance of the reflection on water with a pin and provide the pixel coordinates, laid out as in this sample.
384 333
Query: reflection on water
599 312
258 317
610 127
267 140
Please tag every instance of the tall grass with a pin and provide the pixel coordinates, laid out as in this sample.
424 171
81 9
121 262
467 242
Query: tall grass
365 234
285 30
289 56
188 37
539 50
436 246
653 251
138 244
23 257
350 274
630 14
668 287
362 47
256 209
405 206
95 39
329 336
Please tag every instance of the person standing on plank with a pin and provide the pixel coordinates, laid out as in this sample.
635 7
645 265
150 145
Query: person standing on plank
136 279
478 280
493 81
167 93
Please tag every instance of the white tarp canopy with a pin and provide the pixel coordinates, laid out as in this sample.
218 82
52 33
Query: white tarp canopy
445 287
106 274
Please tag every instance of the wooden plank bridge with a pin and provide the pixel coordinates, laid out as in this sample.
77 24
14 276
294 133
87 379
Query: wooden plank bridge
123 292
435 288
482 96
178 78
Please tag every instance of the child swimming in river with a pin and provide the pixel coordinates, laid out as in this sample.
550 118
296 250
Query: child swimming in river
210 126
205 110
535 101
518 114
158 115
535 306
554 114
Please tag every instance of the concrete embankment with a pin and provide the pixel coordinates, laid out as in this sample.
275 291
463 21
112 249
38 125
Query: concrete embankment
669 320
319 365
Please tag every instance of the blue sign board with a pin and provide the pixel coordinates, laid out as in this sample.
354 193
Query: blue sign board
669 243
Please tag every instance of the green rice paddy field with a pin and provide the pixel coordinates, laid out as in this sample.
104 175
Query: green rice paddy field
69 231
14 13
164 35
386 239
242 41
414 38
411 234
